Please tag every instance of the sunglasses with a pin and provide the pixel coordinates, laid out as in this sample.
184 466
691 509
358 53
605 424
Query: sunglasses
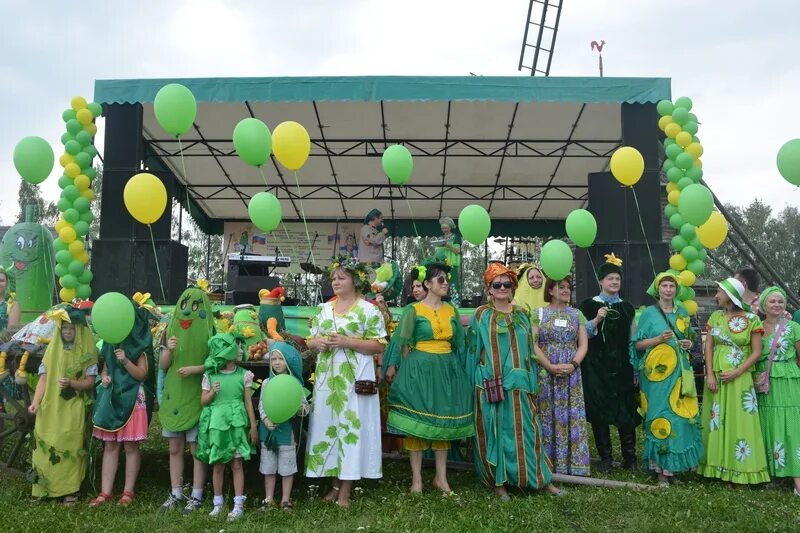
503 284
441 280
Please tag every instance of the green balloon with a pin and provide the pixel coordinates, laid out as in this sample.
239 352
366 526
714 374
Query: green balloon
60 270
697 267
83 159
674 174
91 151
175 108
702 254
696 243
688 232
252 141
664 107
265 211
64 181
81 205
87 217
84 138
668 142
556 258
59 245
112 317
68 114
678 243
64 204
33 159
95 108
70 215
281 398
689 253
690 127
71 192
670 210
680 115
86 277
673 151
696 204
676 221
67 137
789 161
69 281
75 268
685 102
72 147
581 228
397 164
63 257
91 173
684 182
683 294
684 161
83 291
695 173
81 228
667 164
693 118
73 126
474 223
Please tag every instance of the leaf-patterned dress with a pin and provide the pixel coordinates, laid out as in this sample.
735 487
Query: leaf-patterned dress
780 407
344 432
734 447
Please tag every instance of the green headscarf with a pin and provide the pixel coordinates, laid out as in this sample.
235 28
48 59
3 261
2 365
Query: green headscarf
762 299
222 348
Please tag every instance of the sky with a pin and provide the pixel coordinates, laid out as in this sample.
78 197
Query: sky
733 58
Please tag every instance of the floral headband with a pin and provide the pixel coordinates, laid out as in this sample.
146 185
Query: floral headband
359 271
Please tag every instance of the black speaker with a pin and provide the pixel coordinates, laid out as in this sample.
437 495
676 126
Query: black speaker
614 208
129 266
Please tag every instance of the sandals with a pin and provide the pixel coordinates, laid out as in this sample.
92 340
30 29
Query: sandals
286 506
70 499
100 500
126 498
266 505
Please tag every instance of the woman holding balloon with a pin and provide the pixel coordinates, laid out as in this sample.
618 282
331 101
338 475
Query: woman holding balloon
344 433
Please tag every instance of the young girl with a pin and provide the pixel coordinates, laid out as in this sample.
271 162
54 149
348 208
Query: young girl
278 443
67 371
227 419
9 311
124 406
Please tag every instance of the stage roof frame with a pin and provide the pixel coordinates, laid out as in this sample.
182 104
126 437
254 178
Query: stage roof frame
520 146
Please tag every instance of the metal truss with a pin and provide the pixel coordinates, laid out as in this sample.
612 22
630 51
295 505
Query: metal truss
543 45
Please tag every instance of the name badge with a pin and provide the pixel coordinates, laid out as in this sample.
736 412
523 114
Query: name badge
715 332
560 322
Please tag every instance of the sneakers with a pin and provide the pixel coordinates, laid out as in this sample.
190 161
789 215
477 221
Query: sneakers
173 502
215 511
191 505
237 513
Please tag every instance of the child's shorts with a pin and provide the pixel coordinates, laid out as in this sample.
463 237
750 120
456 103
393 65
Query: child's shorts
190 435
283 463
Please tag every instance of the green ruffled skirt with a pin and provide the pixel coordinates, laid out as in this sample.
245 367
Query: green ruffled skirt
223 433
780 424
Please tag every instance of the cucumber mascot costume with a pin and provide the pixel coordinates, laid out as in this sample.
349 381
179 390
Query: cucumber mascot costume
192 323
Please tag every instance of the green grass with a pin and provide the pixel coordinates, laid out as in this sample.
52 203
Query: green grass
386 505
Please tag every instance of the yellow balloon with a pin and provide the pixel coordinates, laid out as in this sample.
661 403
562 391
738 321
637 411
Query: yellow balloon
291 144
84 116
76 247
627 165
687 278
72 170
60 223
66 159
67 233
677 262
82 182
145 197
714 231
77 103
672 187
684 139
83 257
663 121
695 149
673 197
67 295
88 194
91 128
698 163
691 307
672 130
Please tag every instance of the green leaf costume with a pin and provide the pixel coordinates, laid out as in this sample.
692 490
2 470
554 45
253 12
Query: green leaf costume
192 324
245 326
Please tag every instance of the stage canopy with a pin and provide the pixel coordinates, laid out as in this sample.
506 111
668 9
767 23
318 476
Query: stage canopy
522 147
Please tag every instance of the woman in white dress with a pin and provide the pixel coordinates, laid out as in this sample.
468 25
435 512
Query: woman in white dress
344 433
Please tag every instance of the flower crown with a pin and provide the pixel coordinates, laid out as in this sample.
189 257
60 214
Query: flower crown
359 271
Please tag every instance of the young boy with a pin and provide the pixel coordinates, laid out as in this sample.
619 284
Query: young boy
278 443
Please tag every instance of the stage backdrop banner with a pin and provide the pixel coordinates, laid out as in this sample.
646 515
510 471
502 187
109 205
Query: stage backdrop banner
290 240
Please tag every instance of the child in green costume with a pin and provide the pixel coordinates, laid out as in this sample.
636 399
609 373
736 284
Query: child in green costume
189 329
228 422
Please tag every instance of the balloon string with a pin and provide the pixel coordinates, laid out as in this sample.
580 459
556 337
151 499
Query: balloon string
263 177
185 178
303 214
412 216
644 235
158 268
593 268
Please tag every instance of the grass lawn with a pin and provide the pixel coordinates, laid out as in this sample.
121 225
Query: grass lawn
386 505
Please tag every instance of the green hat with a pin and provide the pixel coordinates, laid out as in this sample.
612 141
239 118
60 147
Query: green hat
222 347
653 289
735 291
762 299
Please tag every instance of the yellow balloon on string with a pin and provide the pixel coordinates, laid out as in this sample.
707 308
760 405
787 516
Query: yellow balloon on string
691 307
627 165
713 231
77 103
291 144
145 197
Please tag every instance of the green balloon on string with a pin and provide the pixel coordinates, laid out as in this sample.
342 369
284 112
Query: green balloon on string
252 141
281 398
556 259
474 223
398 165
34 159
581 227
175 108
664 107
696 204
265 211
685 102
112 317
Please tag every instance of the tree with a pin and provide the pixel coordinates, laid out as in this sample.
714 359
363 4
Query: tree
46 212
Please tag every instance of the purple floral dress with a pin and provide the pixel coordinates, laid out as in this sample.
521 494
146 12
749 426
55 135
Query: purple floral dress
560 399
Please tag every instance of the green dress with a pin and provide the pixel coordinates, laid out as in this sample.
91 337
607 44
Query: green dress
430 397
780 407
508 436
224 430
734 446
671 421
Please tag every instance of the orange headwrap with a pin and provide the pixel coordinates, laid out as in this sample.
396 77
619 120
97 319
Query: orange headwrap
499 269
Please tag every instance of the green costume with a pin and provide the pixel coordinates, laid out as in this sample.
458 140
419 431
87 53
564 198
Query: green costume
59 436
246 326
224 424
430 397
508 435
672 425
734 446
115 405
192 323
